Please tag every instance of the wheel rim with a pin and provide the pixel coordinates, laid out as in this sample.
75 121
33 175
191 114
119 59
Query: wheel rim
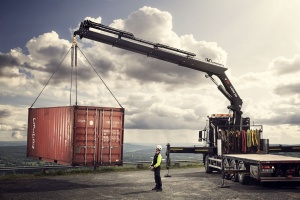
241 166
234 166
225 163
226 166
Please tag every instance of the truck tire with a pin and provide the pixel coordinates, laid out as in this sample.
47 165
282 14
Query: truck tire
226 166
206 164
243 178
234 176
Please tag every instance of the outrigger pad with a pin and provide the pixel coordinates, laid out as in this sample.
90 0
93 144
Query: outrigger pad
224 186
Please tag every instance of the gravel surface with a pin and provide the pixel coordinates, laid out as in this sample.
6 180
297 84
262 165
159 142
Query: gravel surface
191 183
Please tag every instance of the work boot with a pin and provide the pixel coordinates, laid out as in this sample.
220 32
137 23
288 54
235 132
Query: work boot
159 190
154 188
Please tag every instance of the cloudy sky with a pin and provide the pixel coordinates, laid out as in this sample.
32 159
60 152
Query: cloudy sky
257 40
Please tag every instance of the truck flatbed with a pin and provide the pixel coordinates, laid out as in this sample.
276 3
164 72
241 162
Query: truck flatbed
263 158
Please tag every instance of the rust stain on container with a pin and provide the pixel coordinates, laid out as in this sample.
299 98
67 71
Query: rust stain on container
76 135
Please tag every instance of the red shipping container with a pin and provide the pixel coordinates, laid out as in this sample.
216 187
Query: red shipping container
76 135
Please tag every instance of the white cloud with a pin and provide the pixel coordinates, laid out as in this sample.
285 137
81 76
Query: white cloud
96 20
150 23
161 136
275 94
282 134
289 89
16 135
282 66
4 127
13 118
158 96
47 48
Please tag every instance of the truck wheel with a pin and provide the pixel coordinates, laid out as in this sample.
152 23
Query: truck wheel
234 176
227 166
243 178
207 168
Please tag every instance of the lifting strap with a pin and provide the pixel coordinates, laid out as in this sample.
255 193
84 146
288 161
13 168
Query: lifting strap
50 77
249 142
72 47
100 78
244 141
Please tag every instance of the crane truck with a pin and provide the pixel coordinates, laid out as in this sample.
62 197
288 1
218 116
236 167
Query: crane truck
233 145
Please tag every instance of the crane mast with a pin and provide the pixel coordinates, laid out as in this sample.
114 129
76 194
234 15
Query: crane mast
126 40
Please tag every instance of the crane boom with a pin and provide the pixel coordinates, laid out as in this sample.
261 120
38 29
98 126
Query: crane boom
126 40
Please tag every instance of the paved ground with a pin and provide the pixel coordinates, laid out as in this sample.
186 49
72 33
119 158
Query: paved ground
184 184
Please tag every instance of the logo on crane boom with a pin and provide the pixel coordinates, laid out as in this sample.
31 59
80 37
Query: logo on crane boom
231 87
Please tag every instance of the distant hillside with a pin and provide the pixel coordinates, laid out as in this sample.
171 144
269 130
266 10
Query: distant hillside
14 154
129 147
12 143
139 152
284 145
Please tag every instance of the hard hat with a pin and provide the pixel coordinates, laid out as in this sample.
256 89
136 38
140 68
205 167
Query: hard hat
159 147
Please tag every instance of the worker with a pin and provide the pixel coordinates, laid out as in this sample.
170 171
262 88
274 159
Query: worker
155 167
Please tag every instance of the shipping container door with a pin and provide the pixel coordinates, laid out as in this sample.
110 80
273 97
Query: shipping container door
110 137
84 141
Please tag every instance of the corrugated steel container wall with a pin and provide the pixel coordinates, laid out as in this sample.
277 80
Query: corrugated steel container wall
49 134
76 135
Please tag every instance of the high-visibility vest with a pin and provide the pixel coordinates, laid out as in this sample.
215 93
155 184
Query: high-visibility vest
156 160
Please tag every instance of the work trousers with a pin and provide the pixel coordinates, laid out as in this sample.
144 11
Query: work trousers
157 178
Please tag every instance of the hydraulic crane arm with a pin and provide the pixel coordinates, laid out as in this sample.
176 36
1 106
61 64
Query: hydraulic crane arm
126 40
